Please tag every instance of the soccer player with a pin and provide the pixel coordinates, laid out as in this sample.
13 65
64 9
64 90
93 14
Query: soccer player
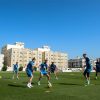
87 70
53 69
29 71
44 71
97 68
15 70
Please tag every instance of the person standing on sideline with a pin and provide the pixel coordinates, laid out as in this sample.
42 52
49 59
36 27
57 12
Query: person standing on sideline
29 71
44 71
15 70
87 69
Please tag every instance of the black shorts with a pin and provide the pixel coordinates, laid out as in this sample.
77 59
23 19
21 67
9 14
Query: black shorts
97 70
86 72
52 71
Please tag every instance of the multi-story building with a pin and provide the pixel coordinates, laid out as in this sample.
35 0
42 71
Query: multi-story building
59 58
78 62
7 51
94 61
1 61
17 53
20 54
98 59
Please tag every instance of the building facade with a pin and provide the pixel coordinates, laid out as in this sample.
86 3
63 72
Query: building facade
78 62
1 61
17 53
98 59
59 58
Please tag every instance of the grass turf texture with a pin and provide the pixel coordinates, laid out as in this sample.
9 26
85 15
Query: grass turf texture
70 86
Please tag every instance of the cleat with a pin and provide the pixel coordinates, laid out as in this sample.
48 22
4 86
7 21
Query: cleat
39 83
28 85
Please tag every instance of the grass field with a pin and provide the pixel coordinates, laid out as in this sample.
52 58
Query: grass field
70 86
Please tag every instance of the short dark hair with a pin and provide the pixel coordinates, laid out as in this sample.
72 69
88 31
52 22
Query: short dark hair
34 58
46 59
84 54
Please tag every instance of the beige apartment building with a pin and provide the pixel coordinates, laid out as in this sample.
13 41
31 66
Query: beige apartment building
7 51
23 56
17 53
1 61
59 58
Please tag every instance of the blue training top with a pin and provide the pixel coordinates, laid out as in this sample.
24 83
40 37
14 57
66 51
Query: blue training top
30 65
43 67
15 66
52 67
88 64
97 66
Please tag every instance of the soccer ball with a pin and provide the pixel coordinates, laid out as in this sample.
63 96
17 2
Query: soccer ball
49 85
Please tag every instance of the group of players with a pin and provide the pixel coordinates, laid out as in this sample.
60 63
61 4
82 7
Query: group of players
44 70
47 70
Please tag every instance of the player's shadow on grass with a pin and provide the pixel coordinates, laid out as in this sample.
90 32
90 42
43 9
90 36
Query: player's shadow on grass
32 83
5 78
14 85
74 84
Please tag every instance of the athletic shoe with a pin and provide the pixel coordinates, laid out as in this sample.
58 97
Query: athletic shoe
31 85
28 85
56 78
39 83
88 82
49 84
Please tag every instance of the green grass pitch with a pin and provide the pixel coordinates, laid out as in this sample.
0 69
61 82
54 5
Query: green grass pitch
69 86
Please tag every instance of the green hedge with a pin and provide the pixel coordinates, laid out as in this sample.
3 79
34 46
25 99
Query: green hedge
4 68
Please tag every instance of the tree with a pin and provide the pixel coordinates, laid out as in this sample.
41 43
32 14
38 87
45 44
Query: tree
4 68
